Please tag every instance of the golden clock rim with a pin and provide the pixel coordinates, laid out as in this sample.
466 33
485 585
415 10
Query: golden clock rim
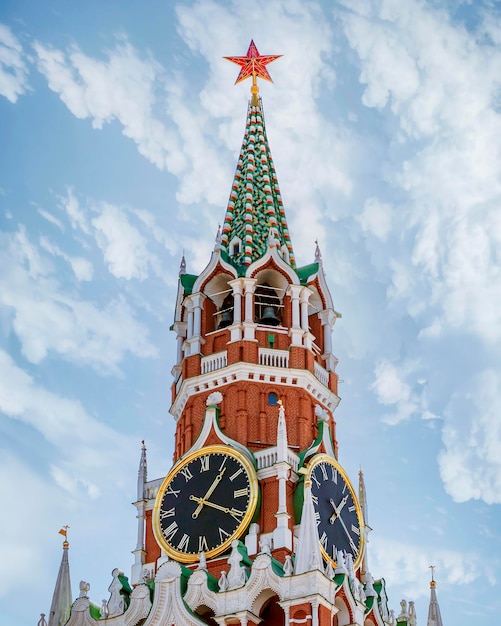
182 557
326 458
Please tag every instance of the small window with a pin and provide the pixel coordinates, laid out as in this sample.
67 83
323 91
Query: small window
272 398
235 246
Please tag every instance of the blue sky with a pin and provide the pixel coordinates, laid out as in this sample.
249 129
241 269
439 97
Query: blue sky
120 128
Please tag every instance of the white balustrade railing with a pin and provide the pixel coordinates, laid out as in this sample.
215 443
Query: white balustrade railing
214 362
273 358
321 374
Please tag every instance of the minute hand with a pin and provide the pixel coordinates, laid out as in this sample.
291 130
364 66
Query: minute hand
210 490
352 544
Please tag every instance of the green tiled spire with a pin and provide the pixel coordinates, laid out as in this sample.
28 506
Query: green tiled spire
255 205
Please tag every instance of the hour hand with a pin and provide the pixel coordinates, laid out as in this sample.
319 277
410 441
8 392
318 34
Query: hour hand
337 509
202 501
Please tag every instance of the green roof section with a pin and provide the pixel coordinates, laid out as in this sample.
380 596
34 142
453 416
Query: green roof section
306 271
187 281
255 204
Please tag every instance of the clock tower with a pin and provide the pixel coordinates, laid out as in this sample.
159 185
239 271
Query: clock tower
255 522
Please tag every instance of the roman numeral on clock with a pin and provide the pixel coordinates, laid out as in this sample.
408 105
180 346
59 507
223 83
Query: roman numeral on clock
185 471
170 531
238 493
171 492
355 529
204 463
237 473
202 544
323 541
324 471
183 544
223 535
168 513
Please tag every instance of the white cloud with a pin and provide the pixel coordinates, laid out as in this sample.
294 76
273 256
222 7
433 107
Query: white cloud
82 268
76 215
376 218
13 69
51 218
409 564
121 87
47 318
392 390
439 84
125 249
84 445
470 463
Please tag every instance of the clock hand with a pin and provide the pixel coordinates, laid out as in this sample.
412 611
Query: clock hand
337 509
225 509
202 501
352 544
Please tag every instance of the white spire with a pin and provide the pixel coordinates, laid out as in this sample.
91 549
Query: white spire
434 617
362 497
142 473
308 550
281 434
61 600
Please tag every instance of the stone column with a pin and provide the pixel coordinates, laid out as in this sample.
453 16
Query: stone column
295 332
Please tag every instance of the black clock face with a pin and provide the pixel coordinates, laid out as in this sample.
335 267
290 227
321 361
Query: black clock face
205 503
337 512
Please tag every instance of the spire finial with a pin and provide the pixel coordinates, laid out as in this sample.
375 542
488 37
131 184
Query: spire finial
253 64
182 266
432 582
64 533
318 254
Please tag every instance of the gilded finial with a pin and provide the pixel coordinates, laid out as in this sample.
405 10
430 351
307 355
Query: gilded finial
64 533
433 583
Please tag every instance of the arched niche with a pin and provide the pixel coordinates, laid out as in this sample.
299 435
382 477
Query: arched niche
272 614
206 614
219 308
269 294
343 615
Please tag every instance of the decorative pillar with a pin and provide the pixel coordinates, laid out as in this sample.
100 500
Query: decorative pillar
249 325
194 334
307 336
328 318
295 332
236 327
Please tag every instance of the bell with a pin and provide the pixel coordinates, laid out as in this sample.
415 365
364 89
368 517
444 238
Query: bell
269 317
226 318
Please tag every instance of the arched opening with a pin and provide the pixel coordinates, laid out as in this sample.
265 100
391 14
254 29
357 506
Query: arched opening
272 614
207 615
272 399
343 616
225 314
267 306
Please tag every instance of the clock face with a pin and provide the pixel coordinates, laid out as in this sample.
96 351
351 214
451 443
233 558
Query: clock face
337 511
206 501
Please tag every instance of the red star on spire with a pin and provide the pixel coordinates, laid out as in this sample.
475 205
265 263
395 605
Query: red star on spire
253 64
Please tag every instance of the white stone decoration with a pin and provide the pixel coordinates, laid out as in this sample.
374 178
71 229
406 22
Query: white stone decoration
341 565
288 566
370 592
236 575
214 399
116 603
103 611
223 581
84 589
308 555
